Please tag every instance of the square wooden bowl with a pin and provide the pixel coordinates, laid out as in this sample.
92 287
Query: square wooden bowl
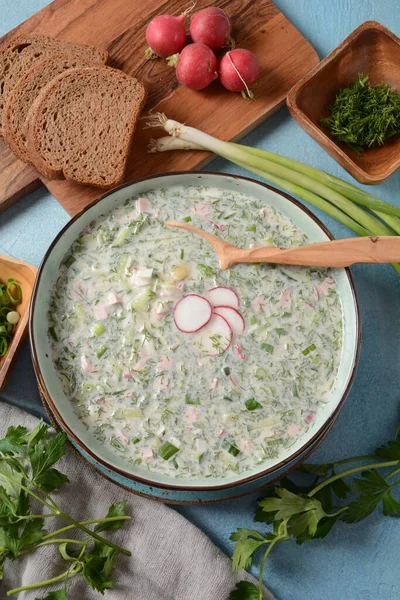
25 274
371 49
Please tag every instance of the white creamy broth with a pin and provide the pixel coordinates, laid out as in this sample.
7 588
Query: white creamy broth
154 393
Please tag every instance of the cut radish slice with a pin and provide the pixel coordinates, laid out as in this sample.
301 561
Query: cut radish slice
215 337
233 316
223 296
191 313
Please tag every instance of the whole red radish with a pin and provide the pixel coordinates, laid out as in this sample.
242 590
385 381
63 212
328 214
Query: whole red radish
196 66
165 35
211 26
238 70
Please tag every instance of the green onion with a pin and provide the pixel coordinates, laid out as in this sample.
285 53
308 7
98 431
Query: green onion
260 373
187 219
182 254
251 228
10 297
14 291
53 334
206 270
191 401
267 347
167 450
69 261
136 440
98 329
233 450
226 370
101 351
309 349
252 404
330 194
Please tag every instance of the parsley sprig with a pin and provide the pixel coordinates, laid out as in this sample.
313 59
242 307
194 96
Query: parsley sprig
309 512
27 476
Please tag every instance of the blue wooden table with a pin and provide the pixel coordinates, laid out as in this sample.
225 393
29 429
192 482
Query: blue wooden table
359 562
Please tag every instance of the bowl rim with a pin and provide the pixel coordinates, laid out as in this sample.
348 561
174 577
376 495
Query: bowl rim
170 486
318 133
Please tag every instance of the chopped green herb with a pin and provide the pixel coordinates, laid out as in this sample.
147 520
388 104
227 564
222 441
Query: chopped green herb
69 261
260 373
182 255
187 219
252 404
101 351
364 116
251 228
53 334
227 398
167 450
309 349
206 270
280 331
267 347
226 370
192 401
233 450
98 329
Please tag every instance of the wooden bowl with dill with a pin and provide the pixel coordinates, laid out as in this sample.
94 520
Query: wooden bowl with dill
24 275
370 56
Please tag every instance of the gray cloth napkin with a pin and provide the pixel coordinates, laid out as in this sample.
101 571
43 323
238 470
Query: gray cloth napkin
171 559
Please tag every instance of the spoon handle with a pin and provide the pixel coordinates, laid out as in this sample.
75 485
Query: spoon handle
337 253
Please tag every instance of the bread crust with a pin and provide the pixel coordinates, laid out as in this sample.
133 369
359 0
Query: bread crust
21 52
88 80
22 96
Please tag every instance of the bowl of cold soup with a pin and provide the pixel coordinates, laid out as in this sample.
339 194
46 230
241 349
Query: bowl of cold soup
179 380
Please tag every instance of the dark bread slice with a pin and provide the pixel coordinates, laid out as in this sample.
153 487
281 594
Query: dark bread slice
25 92
82 123
22 52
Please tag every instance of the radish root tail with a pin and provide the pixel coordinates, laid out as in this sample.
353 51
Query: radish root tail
189 9
247 93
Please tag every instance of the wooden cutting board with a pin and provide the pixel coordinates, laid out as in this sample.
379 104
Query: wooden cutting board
119 25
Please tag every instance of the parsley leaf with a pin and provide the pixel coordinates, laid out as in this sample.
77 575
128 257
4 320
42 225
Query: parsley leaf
372 488
45 454
245 590
27 471
288 504
390 506
247 542
13 440
115 510
50 480
98 567
391 451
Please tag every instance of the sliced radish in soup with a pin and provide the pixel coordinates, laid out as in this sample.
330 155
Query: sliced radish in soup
215 337
223 296
191 313
233 316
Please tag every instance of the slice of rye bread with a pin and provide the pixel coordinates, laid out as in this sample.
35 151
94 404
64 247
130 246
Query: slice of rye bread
81 125
25 92
22 52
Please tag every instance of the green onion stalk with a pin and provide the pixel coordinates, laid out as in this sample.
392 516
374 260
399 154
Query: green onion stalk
341 200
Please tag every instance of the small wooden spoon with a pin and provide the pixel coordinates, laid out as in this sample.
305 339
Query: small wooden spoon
337 253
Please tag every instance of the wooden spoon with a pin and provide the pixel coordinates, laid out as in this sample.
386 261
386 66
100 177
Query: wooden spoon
337 253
